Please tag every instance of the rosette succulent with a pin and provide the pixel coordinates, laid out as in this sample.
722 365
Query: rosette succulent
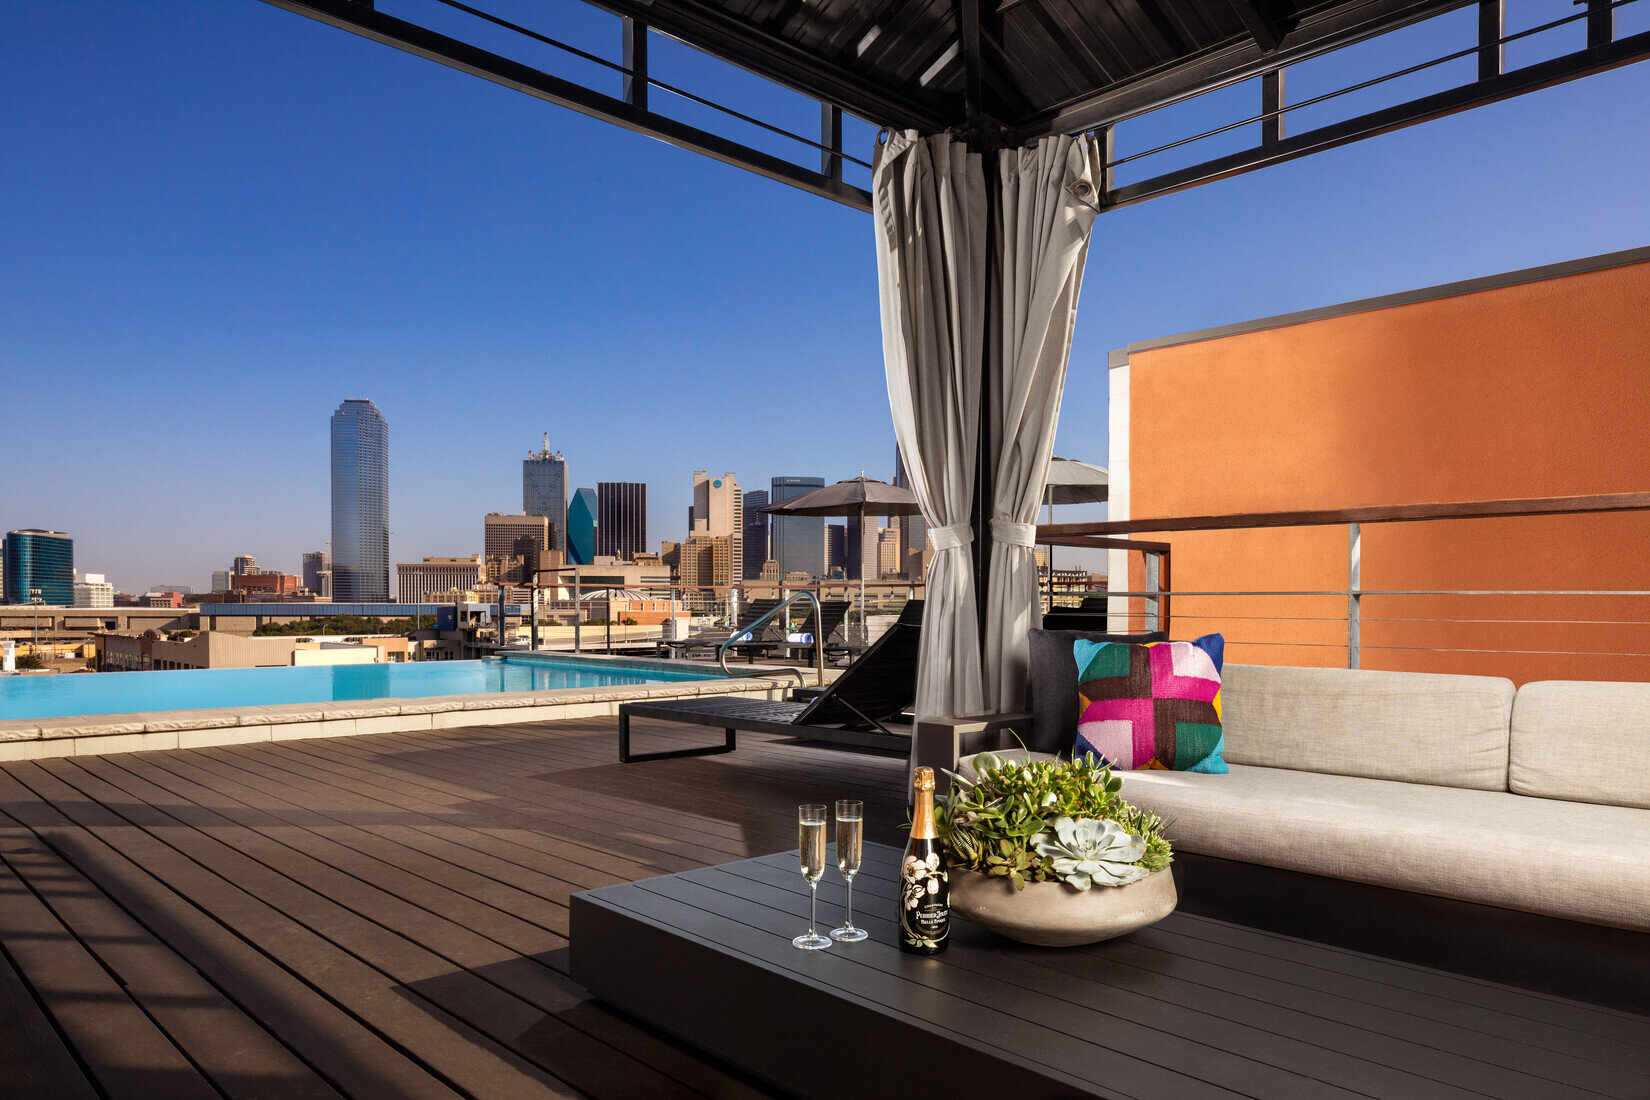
1088 852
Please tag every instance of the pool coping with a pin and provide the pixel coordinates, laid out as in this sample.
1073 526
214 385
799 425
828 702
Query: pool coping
97 734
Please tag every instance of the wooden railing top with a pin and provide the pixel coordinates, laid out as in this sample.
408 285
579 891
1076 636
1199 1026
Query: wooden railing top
1387 513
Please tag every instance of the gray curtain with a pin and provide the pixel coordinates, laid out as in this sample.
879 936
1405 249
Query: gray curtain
1046 213
930 214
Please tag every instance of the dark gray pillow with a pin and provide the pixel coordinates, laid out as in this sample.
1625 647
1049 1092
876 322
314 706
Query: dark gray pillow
1054 685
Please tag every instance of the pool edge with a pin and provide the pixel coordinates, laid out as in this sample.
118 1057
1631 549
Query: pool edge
97 735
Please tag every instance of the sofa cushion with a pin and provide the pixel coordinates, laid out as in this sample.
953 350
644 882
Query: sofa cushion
1053 677
1151 706
1574 860
1413 726
1583 741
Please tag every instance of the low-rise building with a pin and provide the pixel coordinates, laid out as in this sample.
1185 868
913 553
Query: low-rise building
152 651
267 583
93 590
421 582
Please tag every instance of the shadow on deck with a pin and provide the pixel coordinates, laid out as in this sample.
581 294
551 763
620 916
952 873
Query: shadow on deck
367 916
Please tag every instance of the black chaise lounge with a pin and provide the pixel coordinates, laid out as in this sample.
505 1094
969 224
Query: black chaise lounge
851 710
713 639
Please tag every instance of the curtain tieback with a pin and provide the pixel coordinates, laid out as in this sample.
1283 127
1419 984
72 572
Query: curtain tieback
951 536
1014 534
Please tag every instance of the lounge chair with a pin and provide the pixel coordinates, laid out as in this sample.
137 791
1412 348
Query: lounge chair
852 649
831 614
713 639
851 710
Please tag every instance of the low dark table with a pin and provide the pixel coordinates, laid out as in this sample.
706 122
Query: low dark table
1188 1008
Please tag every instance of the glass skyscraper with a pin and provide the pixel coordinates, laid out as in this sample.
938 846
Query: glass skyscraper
43 560
544 491
621 518
581 528
756 533
360 504
798 541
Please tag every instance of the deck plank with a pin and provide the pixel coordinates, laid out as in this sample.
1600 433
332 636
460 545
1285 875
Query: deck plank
38 1064
122 1048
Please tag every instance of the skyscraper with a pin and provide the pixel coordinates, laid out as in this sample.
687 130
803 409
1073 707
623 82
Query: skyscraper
245 564
581 528
836 550
544 491
913 530
360 504
316 562
798 541
756 533
36 559
621 519
719 509
516 546
860 549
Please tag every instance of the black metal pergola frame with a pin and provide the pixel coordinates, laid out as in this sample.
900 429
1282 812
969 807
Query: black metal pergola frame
987 110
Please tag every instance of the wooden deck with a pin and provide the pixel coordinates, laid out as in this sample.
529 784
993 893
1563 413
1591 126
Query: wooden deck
388 915
370 916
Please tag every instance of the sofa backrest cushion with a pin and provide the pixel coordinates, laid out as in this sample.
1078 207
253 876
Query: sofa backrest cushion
1053 677
1416 727
1582 741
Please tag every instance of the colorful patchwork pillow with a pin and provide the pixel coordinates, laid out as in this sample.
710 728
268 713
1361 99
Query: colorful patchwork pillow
1151 706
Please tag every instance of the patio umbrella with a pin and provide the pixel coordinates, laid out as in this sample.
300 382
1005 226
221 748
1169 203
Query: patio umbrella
858 496
1072 482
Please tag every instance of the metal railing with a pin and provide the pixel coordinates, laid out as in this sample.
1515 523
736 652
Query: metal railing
1623 629
753 629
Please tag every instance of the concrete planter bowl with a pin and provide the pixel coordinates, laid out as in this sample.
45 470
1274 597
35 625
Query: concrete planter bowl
1052 914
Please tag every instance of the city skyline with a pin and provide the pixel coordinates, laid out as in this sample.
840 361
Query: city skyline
166 225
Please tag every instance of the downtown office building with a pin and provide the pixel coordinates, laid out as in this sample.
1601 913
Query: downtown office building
360 504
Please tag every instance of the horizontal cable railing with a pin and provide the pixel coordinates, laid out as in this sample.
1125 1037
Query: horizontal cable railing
1524 624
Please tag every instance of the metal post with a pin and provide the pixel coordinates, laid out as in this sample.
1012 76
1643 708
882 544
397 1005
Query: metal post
1153 578
1354 582
578 613
534 611
635 63
1492 22
1271 106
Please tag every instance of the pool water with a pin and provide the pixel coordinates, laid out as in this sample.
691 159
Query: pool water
72 695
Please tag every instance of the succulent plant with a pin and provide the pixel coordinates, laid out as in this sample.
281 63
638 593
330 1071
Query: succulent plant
993 822
1087 852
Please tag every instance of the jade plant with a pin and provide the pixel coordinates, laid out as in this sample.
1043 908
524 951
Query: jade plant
1049 821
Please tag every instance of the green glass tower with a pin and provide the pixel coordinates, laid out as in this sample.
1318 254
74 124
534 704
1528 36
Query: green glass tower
39 560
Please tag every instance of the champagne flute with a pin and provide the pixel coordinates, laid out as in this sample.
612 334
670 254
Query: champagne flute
850 842
810 827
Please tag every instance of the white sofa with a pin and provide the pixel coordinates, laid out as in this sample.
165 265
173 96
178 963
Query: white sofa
1455 786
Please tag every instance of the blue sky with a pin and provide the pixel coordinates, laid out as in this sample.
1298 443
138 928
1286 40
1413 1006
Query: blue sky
218 220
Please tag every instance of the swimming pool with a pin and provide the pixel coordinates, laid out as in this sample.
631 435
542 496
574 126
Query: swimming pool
79 694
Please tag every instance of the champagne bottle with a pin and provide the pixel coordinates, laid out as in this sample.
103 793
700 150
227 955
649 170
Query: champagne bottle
925 884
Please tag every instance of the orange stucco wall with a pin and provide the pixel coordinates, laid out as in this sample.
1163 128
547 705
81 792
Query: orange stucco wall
1534 390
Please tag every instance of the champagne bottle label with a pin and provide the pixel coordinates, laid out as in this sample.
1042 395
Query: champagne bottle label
925 902
925 883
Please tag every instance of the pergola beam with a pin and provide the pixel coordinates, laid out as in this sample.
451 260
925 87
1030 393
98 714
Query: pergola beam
361 19
1531 78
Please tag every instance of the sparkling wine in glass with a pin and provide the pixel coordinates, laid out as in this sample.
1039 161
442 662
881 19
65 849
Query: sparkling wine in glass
850 843
810 834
